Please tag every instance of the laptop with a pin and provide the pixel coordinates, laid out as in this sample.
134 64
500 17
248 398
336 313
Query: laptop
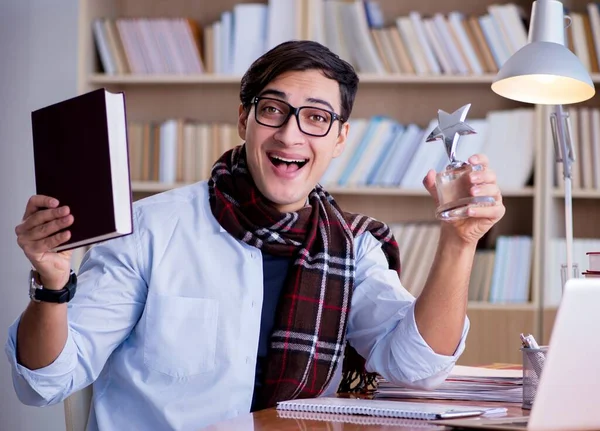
568 396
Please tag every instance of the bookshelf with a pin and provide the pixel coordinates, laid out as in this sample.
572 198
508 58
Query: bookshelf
157 187
233 79
101 79
533 210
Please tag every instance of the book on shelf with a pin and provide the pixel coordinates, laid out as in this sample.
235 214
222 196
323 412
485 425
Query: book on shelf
594 260
358 31
481 275
593 270
81 158
511 276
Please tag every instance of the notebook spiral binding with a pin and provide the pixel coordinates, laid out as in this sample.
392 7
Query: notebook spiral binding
354 410
357 420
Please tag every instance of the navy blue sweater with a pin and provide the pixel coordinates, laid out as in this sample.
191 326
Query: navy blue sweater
275 269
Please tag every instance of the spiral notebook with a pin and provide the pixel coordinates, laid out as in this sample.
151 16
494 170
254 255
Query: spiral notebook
380 408
413 424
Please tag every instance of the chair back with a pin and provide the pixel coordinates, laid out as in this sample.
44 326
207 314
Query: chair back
77 409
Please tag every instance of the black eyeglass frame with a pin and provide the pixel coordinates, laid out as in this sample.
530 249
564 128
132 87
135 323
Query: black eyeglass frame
295 112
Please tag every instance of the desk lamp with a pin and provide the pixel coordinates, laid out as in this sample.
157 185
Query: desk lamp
546 72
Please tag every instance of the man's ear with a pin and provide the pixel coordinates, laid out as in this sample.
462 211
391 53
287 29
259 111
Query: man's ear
242 121
340 144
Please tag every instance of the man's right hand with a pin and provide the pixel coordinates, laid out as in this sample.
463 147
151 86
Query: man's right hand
37 235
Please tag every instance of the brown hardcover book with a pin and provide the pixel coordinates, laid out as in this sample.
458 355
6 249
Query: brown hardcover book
376 36
482 45
155 157
146 153
180 154
197 36
81 158
401 51
476 45
209 52
116 46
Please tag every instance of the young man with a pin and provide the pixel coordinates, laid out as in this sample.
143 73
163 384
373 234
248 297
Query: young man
244 290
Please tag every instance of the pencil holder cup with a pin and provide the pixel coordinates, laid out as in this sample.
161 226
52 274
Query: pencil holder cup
533 363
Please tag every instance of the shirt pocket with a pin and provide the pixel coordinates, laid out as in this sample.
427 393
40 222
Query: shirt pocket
180 335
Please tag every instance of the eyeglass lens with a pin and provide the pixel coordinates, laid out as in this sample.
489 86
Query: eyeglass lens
273 113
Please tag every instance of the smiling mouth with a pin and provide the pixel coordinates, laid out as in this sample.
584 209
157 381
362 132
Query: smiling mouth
288 165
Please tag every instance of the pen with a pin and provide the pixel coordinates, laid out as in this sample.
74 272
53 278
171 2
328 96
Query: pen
524 341
537 361
529 341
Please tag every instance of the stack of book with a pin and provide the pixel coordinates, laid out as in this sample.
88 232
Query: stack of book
558 256
593 266
493 383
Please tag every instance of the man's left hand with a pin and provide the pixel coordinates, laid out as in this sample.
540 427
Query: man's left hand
481 219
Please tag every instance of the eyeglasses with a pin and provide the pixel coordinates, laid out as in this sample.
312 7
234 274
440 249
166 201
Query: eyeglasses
311 121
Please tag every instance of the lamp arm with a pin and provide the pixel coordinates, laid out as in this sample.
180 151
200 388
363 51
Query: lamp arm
565 153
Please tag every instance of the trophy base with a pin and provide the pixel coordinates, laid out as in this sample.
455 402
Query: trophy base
459 209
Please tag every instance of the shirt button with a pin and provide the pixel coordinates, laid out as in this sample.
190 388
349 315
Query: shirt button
247 359
252 255
252 304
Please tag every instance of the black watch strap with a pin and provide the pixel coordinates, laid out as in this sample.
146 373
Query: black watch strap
39 294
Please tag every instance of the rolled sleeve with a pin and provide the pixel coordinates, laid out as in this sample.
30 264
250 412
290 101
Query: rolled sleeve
426 368
111 295
382 326
45 385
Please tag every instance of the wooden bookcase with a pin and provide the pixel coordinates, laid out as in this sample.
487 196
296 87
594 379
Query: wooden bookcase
534 211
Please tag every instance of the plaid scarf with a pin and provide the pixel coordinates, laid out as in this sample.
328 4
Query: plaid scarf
309 336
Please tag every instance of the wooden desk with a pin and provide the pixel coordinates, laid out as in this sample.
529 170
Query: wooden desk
270 420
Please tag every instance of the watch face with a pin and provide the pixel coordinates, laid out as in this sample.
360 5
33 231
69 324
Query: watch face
33 286
37 293
34 280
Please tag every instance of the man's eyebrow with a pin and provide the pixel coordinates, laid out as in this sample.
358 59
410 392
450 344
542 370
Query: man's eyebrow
273 92
282 95
321 101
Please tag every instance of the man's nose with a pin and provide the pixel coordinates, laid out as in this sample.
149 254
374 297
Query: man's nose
290 132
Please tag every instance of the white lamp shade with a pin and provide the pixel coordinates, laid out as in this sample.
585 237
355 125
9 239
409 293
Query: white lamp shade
544 73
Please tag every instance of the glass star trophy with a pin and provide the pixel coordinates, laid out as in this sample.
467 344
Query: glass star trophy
453 183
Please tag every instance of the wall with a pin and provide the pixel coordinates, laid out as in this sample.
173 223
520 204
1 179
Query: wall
38 59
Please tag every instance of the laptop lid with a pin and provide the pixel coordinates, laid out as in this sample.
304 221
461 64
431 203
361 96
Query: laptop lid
568 396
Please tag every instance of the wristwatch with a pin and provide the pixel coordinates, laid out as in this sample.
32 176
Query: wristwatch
38 293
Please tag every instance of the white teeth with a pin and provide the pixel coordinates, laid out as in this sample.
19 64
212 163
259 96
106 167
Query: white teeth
289 160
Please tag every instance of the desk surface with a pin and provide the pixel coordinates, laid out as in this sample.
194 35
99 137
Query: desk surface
270 419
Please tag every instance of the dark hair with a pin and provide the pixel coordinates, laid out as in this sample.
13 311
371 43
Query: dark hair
299 55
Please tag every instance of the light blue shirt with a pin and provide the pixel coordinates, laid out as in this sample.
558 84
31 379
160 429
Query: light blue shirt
166 322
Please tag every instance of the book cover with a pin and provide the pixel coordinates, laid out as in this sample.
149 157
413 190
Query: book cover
81 158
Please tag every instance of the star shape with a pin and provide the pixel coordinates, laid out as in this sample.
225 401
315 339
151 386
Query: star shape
450 128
